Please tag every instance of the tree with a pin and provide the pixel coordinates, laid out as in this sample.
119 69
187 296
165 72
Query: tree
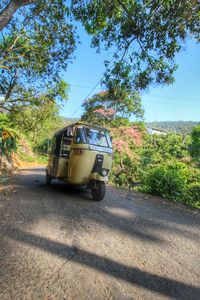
8 8
195 145
112 109
39 119
36 122
162 148
4 121
34 49
144 35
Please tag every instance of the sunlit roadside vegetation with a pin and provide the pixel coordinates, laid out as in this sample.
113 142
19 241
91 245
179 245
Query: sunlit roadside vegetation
165 165
161 165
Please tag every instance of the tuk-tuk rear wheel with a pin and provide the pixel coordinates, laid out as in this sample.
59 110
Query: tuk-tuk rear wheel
98 190
48 179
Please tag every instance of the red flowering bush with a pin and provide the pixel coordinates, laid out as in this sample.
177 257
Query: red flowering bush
119 145
127 142
107 114
127 138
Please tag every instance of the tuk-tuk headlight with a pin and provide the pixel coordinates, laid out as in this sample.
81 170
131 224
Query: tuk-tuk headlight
104 172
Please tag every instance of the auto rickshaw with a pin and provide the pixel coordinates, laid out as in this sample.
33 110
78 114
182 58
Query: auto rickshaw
81 154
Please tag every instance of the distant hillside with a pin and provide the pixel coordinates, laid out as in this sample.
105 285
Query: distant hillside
171 126
174 126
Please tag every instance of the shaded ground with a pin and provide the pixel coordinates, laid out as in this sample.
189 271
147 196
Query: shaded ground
56 243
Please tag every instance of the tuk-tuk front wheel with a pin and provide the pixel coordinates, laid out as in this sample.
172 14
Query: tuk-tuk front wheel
98 190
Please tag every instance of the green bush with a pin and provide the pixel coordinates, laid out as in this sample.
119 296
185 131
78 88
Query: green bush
125 171
175 181
32 158
160 165
192 196
164 181
159 148
195 145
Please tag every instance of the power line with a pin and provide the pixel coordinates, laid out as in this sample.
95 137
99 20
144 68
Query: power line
96 84
146 102
156 102
156 96
87 96
171 97
82 86
168 103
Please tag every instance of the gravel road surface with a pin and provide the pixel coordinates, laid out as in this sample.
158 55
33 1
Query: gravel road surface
56 243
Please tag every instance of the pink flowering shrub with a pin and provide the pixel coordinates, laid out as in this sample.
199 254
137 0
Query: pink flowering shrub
119 145
127 142
109 113
134 134
125 137
103 93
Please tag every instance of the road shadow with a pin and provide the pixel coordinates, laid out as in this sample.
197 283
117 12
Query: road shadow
146 220
63 201
35 201
133 275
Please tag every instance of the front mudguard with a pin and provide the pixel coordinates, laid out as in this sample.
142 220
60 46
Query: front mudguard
98 177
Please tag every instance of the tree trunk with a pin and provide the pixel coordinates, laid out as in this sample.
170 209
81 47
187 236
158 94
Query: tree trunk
10 9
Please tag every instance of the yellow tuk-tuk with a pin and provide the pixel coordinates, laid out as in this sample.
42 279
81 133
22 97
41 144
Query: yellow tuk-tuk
81 154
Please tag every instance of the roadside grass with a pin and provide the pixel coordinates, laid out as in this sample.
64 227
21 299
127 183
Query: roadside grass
34 158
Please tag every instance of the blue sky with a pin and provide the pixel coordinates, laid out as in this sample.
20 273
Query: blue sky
180 101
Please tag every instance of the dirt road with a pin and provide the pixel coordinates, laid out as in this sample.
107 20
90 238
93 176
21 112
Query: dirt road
56 243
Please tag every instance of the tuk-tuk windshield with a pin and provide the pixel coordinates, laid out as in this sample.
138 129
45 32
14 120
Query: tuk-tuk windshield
98 137
93 136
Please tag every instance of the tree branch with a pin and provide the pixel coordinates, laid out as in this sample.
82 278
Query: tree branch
4 67
9 89
11 8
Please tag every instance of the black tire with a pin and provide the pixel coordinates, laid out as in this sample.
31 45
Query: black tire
48 178
98 190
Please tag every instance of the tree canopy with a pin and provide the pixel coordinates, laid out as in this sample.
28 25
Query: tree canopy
195 146
8 8
113 109
144 36
37 122
35 48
